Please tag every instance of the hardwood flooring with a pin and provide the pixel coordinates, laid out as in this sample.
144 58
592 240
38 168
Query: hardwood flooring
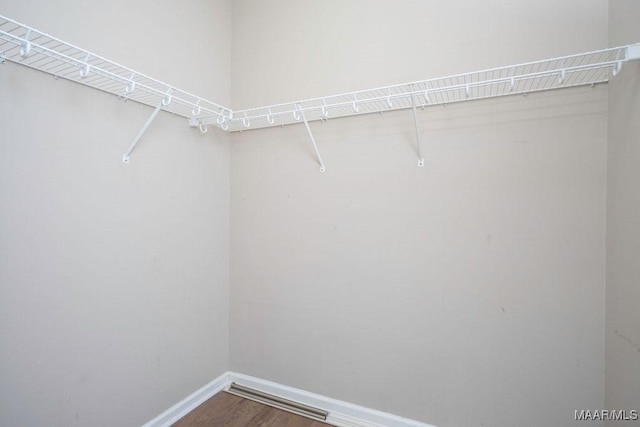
228 410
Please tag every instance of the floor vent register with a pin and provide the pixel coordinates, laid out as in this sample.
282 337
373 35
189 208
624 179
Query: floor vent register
278 402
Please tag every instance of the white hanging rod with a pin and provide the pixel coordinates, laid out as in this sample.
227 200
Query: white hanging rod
588 68
27 46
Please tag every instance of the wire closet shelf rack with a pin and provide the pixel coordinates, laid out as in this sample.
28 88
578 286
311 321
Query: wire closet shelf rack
581 69
27 46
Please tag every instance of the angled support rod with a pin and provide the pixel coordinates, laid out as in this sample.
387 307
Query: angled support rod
125 157
415 124
313 141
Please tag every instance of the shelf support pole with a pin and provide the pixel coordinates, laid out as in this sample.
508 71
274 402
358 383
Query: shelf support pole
125 157
313 141
415 125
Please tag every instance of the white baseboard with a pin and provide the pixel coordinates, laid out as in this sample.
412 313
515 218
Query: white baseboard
189 403
341 413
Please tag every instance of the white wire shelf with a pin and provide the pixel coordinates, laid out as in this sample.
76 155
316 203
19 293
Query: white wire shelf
568 71
27 46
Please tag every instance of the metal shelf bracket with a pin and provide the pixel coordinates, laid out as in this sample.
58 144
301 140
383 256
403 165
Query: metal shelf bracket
125 156
415 125
313 141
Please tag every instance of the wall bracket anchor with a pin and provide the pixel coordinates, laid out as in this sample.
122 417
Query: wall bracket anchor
125 156
313 141
195 122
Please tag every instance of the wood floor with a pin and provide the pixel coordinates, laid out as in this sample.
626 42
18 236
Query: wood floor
225 409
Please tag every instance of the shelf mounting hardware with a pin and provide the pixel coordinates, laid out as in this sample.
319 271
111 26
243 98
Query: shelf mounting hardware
512 81
25 47
415 125
563 74
313 141
167 98
197 109
164 103
84 70
195 122
125 157
131 85
467 87
618 67
222 117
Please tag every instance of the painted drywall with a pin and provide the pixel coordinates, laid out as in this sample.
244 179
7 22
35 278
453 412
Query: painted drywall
623 220
285 50
113 277
467 292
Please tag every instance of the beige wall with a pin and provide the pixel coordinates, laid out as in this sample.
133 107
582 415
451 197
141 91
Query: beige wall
468 292
623 219
113 277
285 50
